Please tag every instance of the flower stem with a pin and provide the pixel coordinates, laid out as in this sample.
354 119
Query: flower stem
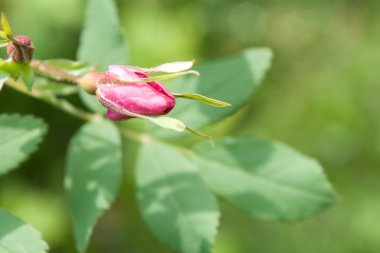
52 72
49 98
138 137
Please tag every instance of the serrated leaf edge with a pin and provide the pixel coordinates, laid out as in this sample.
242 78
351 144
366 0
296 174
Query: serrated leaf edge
44 128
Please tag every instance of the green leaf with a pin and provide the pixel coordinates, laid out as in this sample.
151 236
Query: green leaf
3 35
93 176
11 68
17 70
3 77
16 236
19 137
101 42
3 43
27 75
5 25
232 80
266 179
174 202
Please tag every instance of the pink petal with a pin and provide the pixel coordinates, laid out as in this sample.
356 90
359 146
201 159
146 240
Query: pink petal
116 116
136 98
122 72
156 85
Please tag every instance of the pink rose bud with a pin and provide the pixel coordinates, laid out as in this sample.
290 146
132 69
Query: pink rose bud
21 49
125 99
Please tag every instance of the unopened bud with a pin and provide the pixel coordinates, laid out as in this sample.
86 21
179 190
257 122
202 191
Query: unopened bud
21 49
89 82
123 100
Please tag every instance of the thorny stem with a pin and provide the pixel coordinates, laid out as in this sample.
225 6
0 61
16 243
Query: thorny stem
72 110
53 72
53 100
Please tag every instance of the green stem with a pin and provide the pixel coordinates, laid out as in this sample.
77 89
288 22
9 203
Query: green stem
52 72
146 138
62 104
135 135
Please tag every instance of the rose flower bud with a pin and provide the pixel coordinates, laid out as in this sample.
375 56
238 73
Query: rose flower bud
21 49
125 99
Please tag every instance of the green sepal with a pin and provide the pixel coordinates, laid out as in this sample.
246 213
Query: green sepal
159 78
197 133
167 123
57 88
77 68
203 99
173 124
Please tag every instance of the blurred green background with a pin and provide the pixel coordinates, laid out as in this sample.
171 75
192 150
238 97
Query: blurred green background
321 96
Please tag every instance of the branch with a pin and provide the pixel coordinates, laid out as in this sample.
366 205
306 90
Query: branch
62 104
53 72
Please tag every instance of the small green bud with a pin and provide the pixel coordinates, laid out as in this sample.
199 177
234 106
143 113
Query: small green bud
21 49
